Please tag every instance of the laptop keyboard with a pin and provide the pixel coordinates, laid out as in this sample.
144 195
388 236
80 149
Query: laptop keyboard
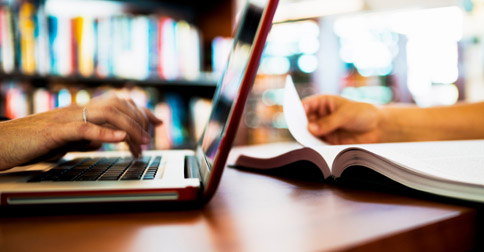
103 169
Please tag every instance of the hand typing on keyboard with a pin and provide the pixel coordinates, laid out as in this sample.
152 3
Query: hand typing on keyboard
74 128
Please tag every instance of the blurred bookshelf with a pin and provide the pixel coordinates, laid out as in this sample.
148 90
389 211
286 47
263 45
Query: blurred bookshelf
168 55
163 54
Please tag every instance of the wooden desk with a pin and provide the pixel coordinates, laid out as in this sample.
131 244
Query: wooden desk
254 212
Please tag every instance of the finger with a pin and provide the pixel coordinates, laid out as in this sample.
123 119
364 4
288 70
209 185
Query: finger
309 109
128 107
316 106
134 148
310 103
139 113
325 125
128 141
332 106
77 131
324 108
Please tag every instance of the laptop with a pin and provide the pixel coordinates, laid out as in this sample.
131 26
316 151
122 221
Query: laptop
159 176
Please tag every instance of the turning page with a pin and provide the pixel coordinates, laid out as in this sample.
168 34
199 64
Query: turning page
297 123
295 116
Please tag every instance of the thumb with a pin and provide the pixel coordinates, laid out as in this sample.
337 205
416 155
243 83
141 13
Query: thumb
326 124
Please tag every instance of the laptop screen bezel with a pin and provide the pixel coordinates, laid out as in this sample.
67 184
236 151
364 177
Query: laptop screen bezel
211 174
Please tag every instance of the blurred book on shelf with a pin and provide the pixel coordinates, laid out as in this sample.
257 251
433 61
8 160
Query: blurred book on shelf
200 109
220 50
7 44
163 132
43 100
16 100
26 29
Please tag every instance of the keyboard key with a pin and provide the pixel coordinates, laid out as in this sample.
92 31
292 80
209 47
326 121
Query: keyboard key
156 162
117 169
135 171
109 178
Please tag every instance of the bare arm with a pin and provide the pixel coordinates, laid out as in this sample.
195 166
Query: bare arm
341 121
460 121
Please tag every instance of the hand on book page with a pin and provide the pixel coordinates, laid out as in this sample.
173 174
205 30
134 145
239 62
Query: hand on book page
295 116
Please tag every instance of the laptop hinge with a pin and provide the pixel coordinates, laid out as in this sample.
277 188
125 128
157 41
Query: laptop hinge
192 167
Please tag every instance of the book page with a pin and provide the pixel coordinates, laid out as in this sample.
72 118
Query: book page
295 116
461 161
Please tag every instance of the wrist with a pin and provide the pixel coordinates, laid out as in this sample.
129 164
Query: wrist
389 128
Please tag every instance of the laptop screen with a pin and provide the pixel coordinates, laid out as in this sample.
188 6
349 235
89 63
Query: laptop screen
229 86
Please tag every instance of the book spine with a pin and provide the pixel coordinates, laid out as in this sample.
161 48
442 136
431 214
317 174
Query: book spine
75 41
153 53
26 32
188 45
2 32
169 66
160 44
8 43
42 54
85 44
104 47
63 47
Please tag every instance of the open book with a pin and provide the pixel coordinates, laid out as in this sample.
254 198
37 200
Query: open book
447 168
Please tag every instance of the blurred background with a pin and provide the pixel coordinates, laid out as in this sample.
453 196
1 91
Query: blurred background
169 54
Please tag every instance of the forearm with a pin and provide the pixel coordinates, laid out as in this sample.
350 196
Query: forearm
462 121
